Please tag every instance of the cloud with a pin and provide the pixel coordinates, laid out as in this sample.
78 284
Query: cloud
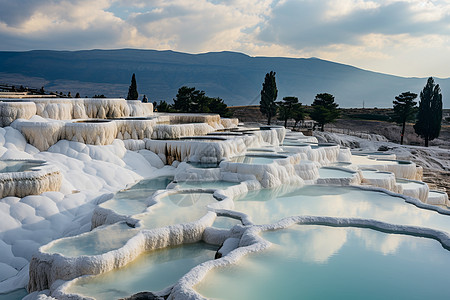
372 34
311 23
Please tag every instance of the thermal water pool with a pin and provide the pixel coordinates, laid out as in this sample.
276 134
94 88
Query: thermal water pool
98 241
327 172
268 206
256 159
319 262
7 166
152 271
218 184
134 200
177 208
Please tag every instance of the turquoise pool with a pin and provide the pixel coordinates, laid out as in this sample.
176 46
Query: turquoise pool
152 271
268 206
319 262
134 200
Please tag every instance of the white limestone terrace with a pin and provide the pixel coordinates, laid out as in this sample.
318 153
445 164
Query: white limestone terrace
93 173
47 268
44 122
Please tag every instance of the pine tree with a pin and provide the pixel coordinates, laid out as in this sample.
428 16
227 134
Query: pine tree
429 118
285 108
132 90
324 109
404 110
269 94
298 113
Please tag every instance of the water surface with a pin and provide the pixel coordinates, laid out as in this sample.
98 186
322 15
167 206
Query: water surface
319 262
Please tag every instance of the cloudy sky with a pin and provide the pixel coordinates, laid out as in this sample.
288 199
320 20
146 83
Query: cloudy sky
400 37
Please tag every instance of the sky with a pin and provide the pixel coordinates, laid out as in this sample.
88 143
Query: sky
408 38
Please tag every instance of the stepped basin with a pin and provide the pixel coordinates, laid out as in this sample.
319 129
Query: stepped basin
341 164
134 200
219 184
413 188
297 143
375 154
264 150
203 165
98 241
268 206
152 271
318 262
326 172
225 222
9 165
438 198
177 208
256 159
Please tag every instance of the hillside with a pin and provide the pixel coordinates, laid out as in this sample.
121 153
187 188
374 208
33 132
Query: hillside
235 77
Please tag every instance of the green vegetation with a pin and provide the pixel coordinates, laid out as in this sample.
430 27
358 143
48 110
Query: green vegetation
190 100
285 108
404 110
325 110
269 93
429 118
298 113
132 90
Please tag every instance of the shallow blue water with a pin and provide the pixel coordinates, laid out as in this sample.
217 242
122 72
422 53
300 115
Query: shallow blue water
152 271
269 206
7 166
219 184
95 242
134 200
319 262
14 295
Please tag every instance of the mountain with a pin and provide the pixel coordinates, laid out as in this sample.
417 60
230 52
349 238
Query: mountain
235 77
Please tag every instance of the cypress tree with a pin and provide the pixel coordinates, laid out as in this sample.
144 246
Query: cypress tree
404 110
429 118
269 94
132 90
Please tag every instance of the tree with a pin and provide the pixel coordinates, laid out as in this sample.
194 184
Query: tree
132 90
404 110
269 94
324 109
77 95
285 108
216 105
429 118
162 106
188 99
298 113
185 99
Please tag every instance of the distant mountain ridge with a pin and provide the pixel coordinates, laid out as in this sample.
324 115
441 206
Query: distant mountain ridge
235 77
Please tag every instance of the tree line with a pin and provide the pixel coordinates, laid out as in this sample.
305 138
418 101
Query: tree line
428 115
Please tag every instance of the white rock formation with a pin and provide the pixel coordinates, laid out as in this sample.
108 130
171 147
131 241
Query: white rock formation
10 111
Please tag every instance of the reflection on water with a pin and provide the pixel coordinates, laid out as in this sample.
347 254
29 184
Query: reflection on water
99 241
317 262
152 271
134 200
14 295
268 206
219 184
7 166
176 209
